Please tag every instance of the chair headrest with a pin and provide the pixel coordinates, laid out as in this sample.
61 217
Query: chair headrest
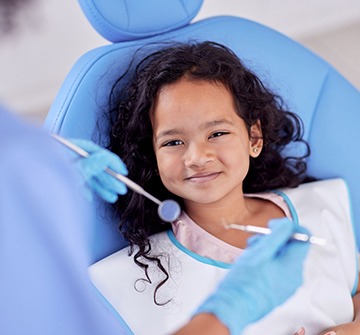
125 20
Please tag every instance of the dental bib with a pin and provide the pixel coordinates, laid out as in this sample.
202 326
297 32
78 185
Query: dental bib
324 299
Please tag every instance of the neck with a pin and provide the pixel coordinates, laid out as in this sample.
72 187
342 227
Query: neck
213 216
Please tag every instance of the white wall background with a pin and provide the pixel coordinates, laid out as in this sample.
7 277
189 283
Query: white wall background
35 60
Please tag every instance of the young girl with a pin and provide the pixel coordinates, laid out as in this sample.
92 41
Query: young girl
195 125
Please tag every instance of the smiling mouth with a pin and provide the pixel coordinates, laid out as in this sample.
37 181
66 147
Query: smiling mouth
203 178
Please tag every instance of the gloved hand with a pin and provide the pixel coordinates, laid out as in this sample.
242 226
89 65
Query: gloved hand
92 168
267 273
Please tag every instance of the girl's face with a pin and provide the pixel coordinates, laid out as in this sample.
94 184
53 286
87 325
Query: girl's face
202 146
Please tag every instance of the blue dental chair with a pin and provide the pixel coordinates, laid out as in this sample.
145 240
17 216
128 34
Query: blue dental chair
327 103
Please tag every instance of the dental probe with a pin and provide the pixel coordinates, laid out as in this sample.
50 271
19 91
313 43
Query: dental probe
266 231
168 210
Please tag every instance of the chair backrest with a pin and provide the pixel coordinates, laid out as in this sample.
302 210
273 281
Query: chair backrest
327 103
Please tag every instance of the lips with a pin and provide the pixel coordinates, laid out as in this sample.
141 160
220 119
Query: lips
200 178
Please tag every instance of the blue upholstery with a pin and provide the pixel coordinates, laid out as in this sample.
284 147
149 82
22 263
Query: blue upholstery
125 20
327 103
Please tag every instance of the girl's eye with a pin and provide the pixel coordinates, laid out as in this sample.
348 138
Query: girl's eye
218 134
172 143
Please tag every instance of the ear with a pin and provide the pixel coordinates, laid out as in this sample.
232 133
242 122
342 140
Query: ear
256 139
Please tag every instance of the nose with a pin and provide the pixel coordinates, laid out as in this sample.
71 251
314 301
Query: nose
198 155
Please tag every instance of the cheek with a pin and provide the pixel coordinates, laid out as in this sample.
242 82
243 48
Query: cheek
170 176
236 158
168 167
235 150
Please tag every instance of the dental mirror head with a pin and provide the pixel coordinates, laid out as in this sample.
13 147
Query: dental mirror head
169 210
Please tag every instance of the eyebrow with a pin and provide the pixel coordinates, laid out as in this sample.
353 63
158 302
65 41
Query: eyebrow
210 124
204 126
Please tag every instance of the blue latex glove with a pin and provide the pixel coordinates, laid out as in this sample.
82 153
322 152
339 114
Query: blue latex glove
264 276
92 168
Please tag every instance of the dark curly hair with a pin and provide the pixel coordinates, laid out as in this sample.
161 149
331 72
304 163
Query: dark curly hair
132 135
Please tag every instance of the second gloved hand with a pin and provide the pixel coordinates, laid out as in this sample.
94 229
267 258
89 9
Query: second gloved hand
264 276
92 168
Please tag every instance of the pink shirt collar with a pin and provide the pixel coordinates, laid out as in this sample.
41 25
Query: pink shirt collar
198 240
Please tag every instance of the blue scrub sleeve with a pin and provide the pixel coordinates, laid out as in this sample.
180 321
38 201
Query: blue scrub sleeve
44 285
